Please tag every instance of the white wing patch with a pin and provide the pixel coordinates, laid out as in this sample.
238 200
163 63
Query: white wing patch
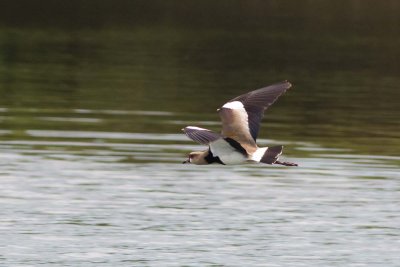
234 105
257 156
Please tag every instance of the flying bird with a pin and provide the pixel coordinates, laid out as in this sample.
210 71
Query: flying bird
236 144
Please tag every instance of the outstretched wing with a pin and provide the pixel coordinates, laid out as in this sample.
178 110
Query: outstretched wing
242 115
201 135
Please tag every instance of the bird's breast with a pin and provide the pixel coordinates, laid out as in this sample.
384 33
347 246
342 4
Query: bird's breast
226 153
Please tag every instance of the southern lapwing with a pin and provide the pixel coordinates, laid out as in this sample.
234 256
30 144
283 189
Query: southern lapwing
236 144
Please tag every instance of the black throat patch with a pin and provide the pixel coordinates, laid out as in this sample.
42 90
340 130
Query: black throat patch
211 159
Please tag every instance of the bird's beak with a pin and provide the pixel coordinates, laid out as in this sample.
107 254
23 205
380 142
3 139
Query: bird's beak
186 161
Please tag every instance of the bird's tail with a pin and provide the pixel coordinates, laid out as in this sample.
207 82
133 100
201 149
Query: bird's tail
272 154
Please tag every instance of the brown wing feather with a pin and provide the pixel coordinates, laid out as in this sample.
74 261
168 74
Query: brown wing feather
235 126
245 123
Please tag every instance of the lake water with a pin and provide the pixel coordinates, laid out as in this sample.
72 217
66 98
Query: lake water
91 109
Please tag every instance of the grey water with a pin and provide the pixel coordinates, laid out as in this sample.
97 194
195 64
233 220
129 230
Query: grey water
92 100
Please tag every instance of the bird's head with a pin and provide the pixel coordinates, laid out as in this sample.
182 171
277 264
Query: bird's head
197 157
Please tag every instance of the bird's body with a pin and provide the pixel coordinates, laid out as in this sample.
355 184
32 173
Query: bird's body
236 144
227 153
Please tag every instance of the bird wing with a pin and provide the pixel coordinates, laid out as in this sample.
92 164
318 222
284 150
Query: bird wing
242 115
201 135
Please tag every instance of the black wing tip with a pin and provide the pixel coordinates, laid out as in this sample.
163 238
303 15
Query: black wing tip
282 86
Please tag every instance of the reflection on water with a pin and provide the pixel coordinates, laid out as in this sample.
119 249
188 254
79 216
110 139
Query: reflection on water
337 107
91 147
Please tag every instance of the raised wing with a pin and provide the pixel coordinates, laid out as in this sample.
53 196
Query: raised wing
201 135
242 115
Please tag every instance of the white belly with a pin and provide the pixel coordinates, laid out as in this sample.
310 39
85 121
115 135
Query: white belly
226 153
